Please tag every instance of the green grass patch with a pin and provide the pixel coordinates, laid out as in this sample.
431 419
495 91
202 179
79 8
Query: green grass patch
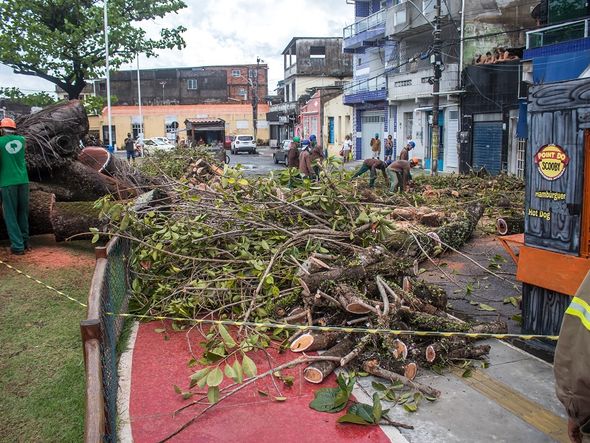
41 362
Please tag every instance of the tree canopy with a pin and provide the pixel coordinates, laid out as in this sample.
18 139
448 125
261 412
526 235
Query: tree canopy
62 41
15 95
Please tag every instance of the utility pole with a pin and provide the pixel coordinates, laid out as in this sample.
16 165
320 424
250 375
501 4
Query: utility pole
436 60
255 100
163 83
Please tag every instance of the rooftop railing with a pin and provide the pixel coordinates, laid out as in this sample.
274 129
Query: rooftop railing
559 33
372 84
370 22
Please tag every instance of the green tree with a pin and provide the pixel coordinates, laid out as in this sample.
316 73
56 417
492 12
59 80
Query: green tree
94 104
62 41
15 95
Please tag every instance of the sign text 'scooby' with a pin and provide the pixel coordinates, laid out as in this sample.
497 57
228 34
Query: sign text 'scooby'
551 161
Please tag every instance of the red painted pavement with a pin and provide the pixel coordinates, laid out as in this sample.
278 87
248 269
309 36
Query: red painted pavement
246 417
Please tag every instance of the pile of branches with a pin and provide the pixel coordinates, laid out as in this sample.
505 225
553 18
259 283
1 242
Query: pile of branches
254 249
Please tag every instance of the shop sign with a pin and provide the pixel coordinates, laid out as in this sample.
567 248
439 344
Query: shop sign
551 161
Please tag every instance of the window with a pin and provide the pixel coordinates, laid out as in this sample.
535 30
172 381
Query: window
251 73
243 93
408 124
317 52
105 134
102 87
191 84
235 73
293 96
171 127
136 129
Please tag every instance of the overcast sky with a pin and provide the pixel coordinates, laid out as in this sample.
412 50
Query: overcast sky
227 32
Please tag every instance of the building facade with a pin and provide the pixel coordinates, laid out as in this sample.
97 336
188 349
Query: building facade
170 120
337 124
185 86
309 63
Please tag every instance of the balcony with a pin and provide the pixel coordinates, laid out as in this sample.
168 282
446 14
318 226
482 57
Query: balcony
365 32
407 19
370 90
413 85
551 35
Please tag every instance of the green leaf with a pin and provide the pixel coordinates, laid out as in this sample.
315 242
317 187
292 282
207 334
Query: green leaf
177 389
363 411
187 395
262 393
192 362
201 374
329 400
213 394
410 407
280 399
159 330
227 338
429 398
353 418
378 386
95 238
484 307
377 410
215 377
229 371
239 372
249 366
467 373
125 222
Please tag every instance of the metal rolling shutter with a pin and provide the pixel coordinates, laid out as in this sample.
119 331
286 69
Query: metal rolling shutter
487 146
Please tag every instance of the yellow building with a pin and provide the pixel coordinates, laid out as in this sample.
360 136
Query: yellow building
169 120
336 125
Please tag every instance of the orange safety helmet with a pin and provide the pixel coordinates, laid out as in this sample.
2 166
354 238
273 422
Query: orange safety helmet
7 123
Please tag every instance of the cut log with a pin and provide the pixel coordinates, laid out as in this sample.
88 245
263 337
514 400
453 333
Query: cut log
493 327
422 321
96 158
399 349
40 206
349 298
315 341
429 293
510 225
73 218
430 353
410 371
372 367
318 371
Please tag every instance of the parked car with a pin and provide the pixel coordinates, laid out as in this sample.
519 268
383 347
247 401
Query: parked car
151 145
228 141
280 156
243 143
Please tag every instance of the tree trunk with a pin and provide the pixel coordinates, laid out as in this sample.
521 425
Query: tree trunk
72 218
40 207
510 225
78 182
318 371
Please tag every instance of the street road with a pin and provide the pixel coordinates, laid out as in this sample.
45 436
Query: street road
256 164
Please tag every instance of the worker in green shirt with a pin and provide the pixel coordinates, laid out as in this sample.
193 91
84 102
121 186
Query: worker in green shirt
14 186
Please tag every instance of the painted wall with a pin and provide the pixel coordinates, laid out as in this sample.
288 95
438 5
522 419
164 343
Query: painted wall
342 116
238 119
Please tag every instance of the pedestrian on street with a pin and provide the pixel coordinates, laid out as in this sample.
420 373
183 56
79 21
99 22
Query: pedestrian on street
388 149
346 148
399 174
405 152
316 155
305 168
372 164
130 148
376 146
14 186
572 364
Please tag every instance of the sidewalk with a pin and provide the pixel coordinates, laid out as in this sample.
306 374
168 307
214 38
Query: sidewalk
511 401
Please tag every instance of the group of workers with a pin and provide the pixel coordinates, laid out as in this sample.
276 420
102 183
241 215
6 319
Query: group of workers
14 187
305 155
396 172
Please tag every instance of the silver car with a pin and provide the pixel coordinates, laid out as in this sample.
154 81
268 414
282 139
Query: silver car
243 143
281 155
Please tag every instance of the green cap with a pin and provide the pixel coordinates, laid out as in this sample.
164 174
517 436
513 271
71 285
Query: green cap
296 139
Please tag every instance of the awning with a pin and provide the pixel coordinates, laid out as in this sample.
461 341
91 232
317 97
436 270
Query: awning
205 124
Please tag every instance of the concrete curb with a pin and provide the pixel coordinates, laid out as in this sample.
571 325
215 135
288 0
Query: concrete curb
124 433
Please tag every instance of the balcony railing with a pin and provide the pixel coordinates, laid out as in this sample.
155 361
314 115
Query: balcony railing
557 33
372 84
370 22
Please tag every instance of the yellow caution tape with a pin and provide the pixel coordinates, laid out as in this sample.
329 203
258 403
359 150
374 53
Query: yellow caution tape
43 284
286 326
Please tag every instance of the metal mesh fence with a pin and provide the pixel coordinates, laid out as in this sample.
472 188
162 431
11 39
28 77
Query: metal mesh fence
114 299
